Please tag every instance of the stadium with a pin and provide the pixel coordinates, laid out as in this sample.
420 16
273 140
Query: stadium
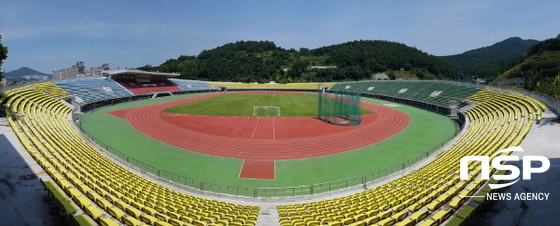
143 148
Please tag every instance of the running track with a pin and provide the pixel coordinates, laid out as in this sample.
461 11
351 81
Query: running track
150 120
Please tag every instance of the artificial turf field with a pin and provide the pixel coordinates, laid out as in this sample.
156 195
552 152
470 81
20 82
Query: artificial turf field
241 104
426 130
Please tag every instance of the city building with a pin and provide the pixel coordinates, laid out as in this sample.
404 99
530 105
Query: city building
78 70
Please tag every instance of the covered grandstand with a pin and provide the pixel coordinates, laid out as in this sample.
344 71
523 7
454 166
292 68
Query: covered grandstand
117 86
141 82
94 189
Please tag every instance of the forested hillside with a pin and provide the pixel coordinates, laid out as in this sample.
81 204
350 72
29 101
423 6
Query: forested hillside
539 69
263 61
380 56
490 60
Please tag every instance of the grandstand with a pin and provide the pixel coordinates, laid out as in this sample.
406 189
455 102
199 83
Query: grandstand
88 90
193 85
439 94
500 120
93 189
123 86
141 82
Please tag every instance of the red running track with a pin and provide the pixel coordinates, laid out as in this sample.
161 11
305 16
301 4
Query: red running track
261 140
258 127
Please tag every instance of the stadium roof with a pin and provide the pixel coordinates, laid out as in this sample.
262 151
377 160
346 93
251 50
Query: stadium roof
138 72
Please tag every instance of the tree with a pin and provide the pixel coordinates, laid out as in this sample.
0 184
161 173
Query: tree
304 51
392 75
299 67
3 55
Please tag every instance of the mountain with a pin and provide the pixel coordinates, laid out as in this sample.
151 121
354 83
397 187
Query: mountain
25 74
380 56
263 61
23 71
538 70
489 60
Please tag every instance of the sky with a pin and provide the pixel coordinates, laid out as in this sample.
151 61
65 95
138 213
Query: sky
45 35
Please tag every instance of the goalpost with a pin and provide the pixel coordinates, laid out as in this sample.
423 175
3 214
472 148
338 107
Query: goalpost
266 111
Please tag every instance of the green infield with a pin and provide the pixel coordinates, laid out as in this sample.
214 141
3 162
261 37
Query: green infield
425 131
250 104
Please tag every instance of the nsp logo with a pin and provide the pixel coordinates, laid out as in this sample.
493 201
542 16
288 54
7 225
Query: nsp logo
497 163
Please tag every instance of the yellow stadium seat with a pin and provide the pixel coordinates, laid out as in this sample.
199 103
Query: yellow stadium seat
121 205
405 222
434 205
399 216
384 214
186 219
104 204
115 212
83 201
334 223
173 215
162 217
429 222
386 222
131 221
418 216
149 210
93 211
133 212
108 222
162 223
176 222
149 219
371 220
347 221
199 223
457 202
441 216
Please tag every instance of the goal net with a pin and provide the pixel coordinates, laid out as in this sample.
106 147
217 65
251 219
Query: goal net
266 111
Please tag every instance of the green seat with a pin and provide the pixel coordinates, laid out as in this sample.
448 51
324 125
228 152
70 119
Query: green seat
49 185
83 220
481 196
456 221
69 207
466 212
59 195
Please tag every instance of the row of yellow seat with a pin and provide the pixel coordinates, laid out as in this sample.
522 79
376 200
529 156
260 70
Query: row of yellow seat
105 192
53 90
239 85
432 193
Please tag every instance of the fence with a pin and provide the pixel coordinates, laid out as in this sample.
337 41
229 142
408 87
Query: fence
269 192
340 107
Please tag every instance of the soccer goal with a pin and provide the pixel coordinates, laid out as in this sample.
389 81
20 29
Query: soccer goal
266 111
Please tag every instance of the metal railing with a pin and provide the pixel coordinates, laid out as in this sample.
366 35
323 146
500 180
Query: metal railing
270 191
